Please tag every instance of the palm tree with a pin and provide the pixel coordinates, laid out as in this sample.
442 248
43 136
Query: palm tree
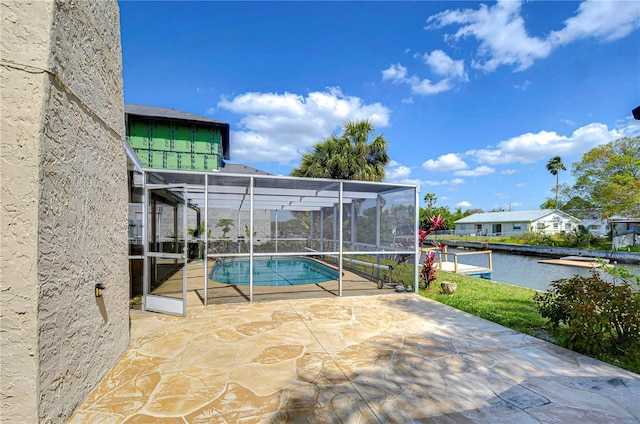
554 166
430 199
347 156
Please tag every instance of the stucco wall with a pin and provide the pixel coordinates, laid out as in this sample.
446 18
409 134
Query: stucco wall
23 85
64 167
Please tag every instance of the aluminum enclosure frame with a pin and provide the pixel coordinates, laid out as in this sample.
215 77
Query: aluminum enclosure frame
314 199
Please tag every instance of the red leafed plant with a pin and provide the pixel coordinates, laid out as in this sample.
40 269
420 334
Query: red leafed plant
428 272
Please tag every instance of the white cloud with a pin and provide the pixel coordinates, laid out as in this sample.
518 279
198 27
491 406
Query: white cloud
605 20
434 183
520 185
502 195
478 172
628 127
426 87
509 171
277 127
397 172
464 204
503 39
444 163
398 75
443 65
524 85
456 181
501 32
530 147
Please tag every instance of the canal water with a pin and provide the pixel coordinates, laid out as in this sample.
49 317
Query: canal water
525 270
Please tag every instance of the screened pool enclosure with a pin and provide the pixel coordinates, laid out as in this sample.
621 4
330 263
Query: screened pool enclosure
212 232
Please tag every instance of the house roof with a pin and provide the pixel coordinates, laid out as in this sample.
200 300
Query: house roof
511 216
628 220
168 113
238 168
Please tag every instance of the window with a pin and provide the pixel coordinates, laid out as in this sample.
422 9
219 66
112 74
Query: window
540 226
517 227
556 225
568 226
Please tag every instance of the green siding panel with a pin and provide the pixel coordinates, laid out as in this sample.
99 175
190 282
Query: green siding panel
171 160
184 161
138 142
215 149
143 157
140 129
198 162
183 132
212 162
161 139
201 147
160 144
157 159
183 146
162 131
182 138
203 134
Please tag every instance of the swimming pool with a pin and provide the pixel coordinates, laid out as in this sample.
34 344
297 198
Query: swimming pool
272 271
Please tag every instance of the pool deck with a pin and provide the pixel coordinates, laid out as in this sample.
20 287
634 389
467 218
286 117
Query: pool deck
217 293
393 358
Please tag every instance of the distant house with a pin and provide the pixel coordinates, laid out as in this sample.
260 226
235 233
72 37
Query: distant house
597 227
616 225
623 226
546 221
625 232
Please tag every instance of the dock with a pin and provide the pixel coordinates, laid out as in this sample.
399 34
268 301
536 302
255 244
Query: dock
576 261
445 263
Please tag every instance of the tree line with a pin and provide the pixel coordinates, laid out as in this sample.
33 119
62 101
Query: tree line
607 181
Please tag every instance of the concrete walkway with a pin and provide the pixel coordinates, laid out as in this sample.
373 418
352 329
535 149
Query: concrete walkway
396 358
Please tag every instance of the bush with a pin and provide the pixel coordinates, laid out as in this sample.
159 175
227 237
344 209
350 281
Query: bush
594 316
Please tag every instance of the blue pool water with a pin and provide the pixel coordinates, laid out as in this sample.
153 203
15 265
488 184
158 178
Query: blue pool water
273 271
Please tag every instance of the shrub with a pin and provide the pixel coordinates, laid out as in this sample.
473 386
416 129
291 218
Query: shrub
428 273
594 316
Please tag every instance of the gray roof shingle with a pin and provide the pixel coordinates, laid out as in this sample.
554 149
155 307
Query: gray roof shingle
167 113
510 216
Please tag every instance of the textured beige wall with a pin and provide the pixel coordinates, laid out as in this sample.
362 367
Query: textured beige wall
64 205
23 86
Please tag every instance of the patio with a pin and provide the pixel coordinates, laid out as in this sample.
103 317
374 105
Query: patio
390 358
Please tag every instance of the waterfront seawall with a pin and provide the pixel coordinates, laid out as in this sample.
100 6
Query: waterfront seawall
546 251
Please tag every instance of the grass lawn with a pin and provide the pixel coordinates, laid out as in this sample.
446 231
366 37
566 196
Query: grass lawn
503 304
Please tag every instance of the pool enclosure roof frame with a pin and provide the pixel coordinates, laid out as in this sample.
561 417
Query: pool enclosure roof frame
251 192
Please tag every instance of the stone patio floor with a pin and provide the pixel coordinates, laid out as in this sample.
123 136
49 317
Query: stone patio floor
393 358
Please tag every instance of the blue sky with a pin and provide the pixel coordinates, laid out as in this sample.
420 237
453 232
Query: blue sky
473 98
